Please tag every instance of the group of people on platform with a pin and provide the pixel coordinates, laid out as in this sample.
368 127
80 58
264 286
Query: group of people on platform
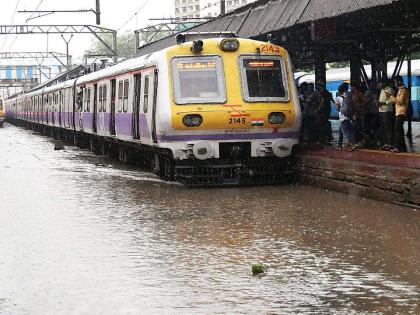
369 117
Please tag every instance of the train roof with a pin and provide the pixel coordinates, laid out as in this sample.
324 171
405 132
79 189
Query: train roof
119 68
342 74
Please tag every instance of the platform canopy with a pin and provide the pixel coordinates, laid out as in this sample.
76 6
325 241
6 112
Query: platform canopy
335 29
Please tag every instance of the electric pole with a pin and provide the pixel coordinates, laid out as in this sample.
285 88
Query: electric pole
222 7
67 51
98 13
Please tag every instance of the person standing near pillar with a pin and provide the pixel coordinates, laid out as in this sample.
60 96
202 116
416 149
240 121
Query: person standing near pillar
325 99
401 104
385 105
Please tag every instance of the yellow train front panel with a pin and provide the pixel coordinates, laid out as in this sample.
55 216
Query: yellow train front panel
233 109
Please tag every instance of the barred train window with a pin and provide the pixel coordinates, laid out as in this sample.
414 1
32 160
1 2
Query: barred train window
146 94
263 79
198 80
125 98
104 89
100 99
87 99
120 95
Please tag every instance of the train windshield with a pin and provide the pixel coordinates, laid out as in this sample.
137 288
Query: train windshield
263 79
198 80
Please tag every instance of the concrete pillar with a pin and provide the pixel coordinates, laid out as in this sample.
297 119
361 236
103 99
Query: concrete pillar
355 72
374 67
320 68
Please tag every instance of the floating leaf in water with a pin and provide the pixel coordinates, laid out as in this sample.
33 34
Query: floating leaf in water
258 269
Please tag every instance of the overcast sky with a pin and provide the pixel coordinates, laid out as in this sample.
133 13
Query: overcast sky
116 14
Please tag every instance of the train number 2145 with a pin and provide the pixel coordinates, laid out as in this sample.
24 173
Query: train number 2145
234 121
268 48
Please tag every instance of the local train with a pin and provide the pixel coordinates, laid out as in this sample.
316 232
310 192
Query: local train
2 112
335 77
204 111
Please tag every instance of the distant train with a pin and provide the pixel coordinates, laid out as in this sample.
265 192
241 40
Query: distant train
207 111
2 112
337 76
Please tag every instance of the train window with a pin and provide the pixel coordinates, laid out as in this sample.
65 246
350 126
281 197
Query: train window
100 99
125 98
263 79
104 91
146 94
198 80
120 95
87 100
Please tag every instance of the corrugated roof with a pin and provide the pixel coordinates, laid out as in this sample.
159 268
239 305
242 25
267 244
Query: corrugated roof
265 16
319 9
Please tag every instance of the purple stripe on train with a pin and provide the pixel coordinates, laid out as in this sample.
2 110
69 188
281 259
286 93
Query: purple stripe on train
123 124
144 129
230 136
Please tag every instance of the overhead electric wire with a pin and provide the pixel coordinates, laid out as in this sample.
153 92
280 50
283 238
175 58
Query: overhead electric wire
11 22
134 15
26 22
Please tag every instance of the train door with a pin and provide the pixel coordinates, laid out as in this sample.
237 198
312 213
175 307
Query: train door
113 95
67 108
154 104
60 108
95 108
148 103
136 106
42 108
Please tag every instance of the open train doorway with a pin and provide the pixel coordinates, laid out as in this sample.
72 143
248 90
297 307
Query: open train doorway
136 106
155 90
112 118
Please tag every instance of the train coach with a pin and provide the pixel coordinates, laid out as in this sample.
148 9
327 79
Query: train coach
335 77
206 111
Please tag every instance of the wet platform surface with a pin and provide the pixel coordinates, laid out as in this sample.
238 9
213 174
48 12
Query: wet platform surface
412 148
82 234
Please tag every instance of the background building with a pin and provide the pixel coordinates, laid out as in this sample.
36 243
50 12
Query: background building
187 8
205 8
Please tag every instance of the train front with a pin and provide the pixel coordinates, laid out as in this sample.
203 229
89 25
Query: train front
235 116
2 112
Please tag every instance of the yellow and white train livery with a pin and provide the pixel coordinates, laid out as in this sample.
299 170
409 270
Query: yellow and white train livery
204 112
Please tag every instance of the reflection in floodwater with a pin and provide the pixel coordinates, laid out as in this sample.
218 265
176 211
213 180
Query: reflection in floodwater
81 234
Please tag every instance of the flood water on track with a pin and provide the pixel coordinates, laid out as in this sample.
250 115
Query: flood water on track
82 234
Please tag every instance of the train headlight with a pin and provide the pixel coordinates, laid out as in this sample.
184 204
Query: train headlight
192 120
229 44
277 118
197 46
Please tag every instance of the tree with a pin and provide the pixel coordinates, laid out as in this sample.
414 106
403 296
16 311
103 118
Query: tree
125 46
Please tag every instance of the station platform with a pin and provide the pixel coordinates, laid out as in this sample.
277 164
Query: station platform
412 148
375 174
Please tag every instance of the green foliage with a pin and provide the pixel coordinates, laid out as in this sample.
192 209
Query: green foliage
125 45
152 37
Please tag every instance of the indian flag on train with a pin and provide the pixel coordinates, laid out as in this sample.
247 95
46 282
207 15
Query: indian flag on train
258 122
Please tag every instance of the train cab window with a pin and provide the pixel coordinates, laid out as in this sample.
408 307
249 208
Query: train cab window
263 79
198 80
125 96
